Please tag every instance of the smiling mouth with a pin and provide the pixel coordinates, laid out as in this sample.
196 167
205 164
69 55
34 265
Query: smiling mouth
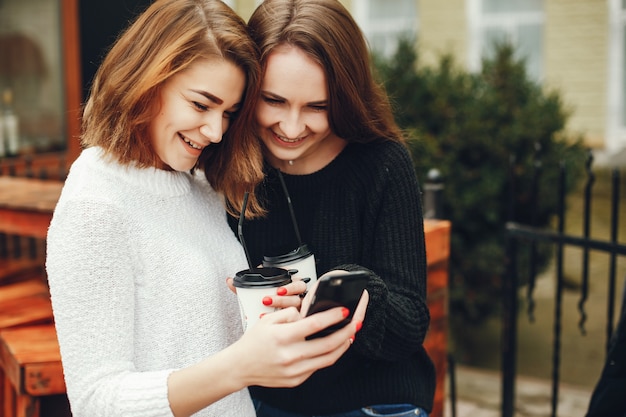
190 143
287 140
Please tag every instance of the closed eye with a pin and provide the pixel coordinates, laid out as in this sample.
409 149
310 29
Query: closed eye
200 106
272 101
230 115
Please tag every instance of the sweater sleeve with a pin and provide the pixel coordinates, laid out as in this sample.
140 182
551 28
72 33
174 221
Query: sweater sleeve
397 318
90 272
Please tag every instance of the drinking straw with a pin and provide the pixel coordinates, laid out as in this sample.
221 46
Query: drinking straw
240 228
293 215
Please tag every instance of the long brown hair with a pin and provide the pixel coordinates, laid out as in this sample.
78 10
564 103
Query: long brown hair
358 107
164 40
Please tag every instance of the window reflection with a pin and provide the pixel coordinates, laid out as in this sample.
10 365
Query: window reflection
31 67
519 22
387 22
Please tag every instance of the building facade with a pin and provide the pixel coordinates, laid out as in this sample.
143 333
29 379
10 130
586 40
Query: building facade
576 47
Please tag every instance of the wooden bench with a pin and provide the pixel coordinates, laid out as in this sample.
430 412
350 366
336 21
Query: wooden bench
21 258
20 269
23 303
31 361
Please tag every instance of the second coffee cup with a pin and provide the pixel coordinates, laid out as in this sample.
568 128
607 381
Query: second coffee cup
252 286
301 259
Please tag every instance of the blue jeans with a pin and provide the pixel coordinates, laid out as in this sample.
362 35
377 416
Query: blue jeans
383 410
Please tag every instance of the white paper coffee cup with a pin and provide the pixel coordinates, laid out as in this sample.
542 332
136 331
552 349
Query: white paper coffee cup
252 286
300 259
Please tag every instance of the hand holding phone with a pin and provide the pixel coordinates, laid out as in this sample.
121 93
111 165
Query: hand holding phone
337 289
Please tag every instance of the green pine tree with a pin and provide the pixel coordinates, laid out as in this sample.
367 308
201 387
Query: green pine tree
480 130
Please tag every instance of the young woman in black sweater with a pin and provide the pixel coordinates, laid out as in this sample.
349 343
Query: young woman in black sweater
328 130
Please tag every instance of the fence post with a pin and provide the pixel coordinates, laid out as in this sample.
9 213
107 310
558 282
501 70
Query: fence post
509 329
433 195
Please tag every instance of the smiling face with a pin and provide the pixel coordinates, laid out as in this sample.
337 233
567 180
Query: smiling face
292 114
196 106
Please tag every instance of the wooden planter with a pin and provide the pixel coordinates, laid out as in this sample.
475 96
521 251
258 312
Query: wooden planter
437 234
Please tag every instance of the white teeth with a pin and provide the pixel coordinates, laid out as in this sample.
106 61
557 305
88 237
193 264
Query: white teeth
284 139
190 143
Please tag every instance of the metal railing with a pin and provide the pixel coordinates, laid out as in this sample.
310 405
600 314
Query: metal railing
516 233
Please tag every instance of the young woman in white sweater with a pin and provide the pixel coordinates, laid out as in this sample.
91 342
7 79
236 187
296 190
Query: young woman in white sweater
139 249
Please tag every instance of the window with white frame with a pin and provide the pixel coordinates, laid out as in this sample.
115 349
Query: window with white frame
616 117
384 22
519 22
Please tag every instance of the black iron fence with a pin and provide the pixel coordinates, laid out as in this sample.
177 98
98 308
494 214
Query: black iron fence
517 233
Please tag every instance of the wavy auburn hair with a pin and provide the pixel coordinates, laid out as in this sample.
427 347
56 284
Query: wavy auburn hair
168 37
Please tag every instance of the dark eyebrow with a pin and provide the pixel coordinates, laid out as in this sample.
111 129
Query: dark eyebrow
209 96
277 97
318 103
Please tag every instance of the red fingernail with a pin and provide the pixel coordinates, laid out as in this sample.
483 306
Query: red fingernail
281 291
345 312
267 301
359 324
261 315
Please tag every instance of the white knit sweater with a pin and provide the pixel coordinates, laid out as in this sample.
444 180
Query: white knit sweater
137 265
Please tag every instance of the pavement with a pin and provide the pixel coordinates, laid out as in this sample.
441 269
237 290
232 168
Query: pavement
478 394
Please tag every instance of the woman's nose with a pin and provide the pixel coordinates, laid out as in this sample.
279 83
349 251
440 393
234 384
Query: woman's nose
213 129
292 125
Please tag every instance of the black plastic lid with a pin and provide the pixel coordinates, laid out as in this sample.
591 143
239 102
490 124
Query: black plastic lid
296 254
262 277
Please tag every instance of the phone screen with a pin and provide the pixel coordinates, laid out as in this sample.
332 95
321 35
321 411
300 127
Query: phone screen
338 290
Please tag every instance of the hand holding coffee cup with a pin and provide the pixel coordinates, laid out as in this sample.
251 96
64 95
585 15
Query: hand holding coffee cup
252 286
282 335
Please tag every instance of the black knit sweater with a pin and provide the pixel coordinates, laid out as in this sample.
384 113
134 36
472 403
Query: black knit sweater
363 210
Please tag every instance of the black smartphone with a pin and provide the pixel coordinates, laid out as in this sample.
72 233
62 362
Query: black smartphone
337 289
